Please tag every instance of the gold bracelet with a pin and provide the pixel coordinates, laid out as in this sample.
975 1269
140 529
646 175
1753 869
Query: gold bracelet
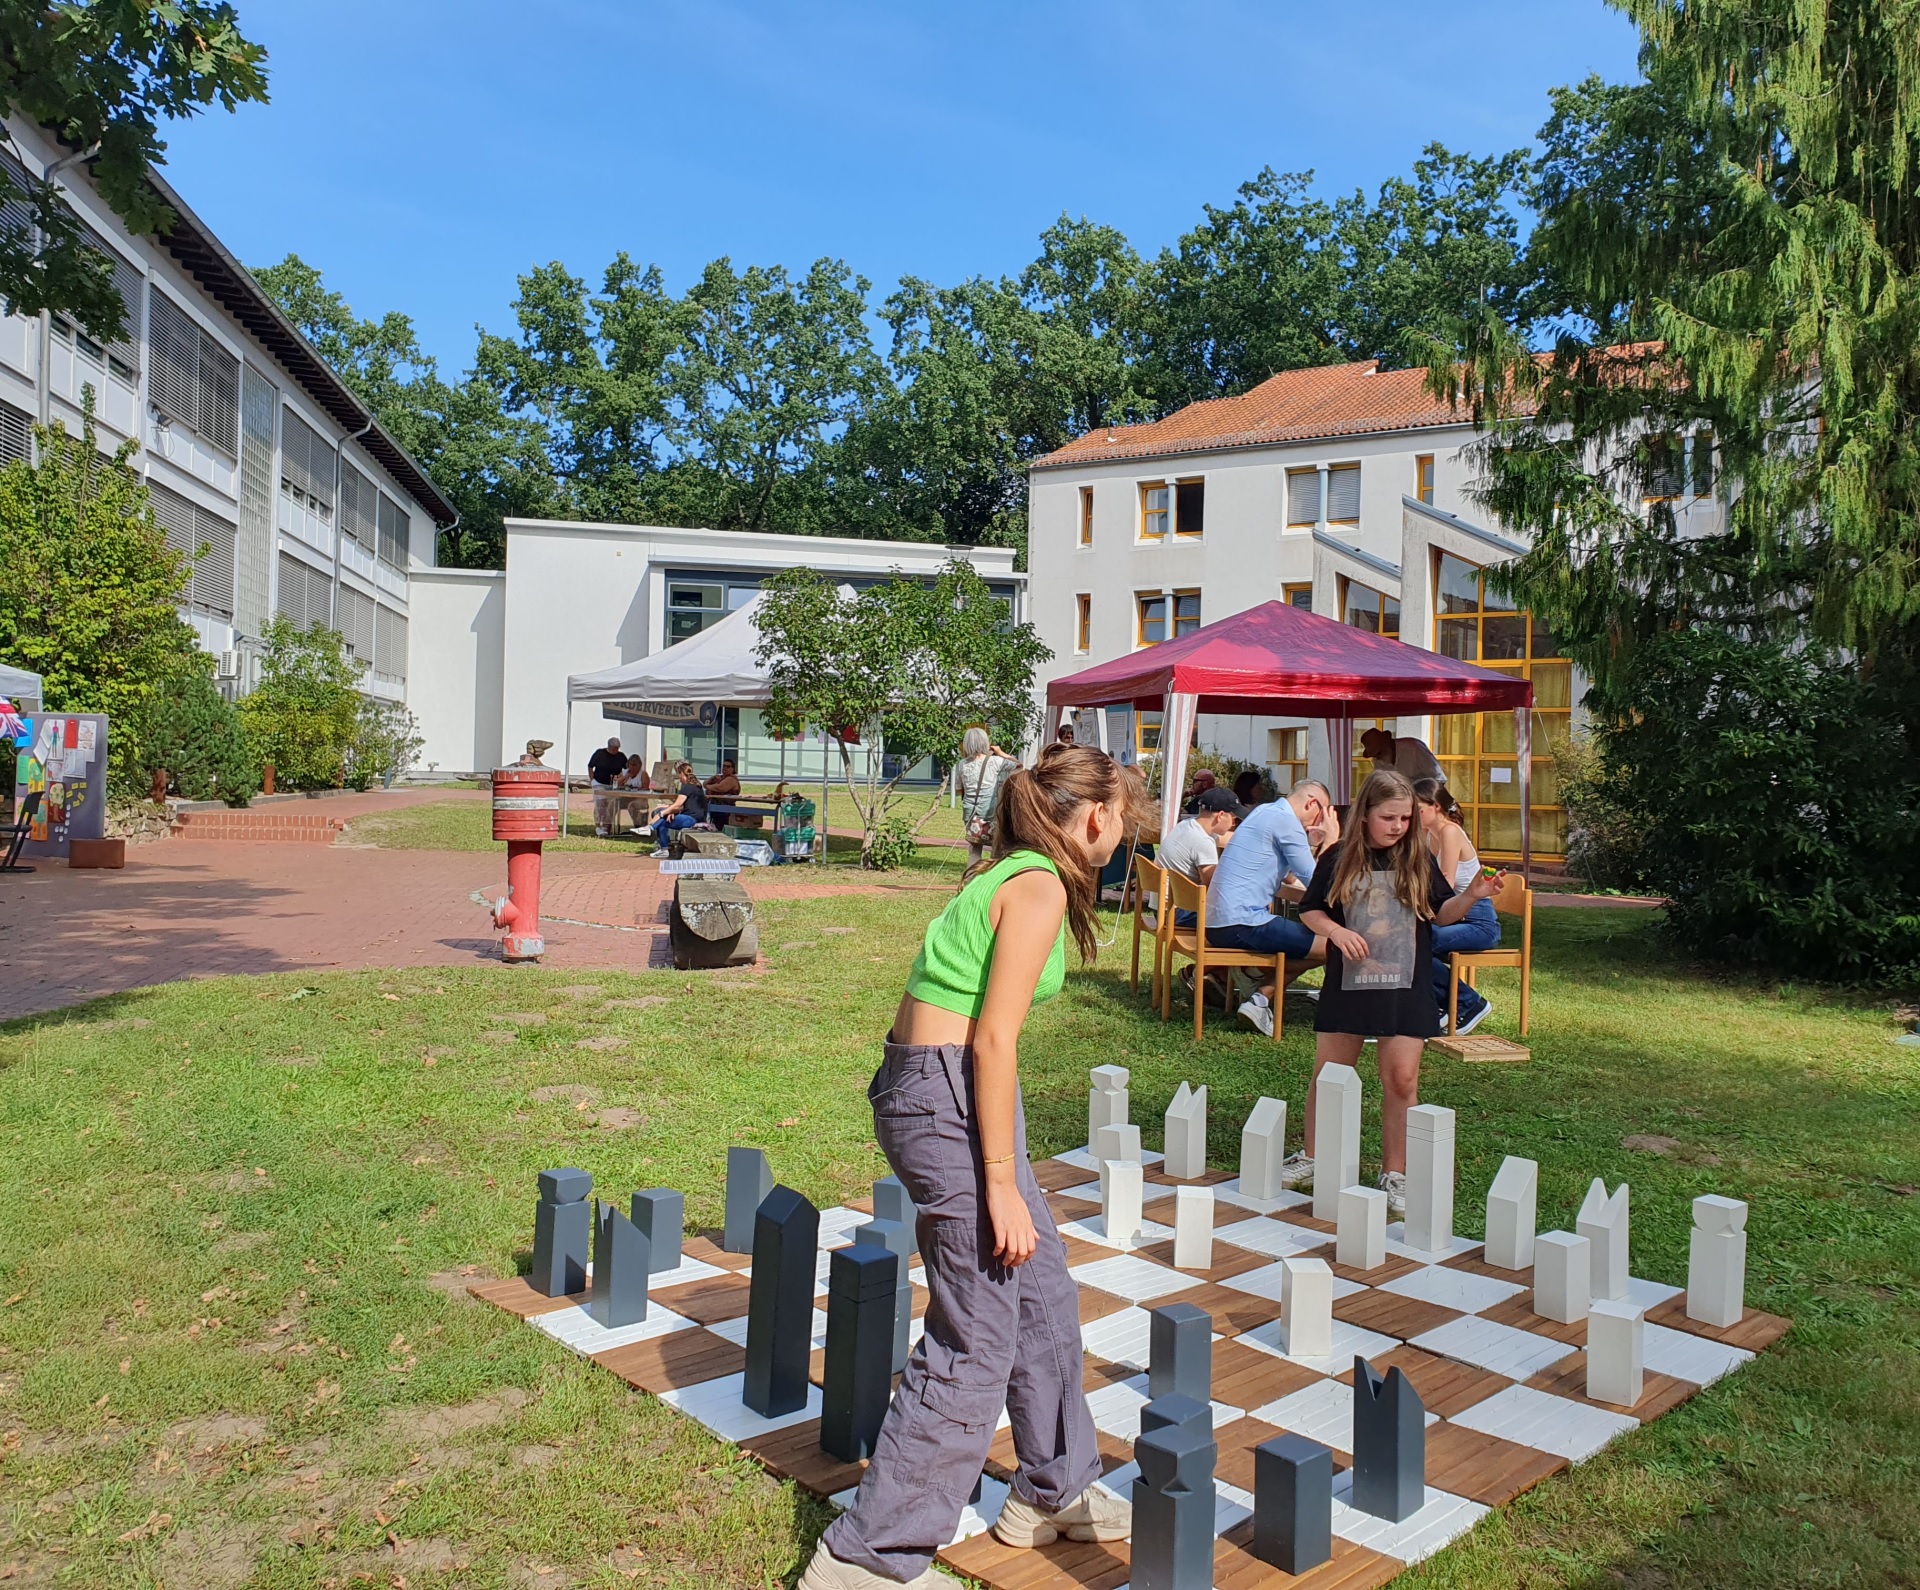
1004 1159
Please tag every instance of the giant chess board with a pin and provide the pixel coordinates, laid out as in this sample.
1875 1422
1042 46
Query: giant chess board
1504 1389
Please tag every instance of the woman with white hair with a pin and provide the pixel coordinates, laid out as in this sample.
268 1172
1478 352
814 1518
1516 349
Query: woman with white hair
983 765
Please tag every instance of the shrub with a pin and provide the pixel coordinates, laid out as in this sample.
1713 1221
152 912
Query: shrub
385 744
1605 842
195 733
890 845
304 715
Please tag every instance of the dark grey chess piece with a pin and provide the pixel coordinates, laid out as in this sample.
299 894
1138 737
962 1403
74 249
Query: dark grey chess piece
620 1269
858 1383
749 1180
562 1228
1389 1444
661 1213
890 1202
1180 1352
786 1235
1173 1510
898 1240
1174 1410
1292 1503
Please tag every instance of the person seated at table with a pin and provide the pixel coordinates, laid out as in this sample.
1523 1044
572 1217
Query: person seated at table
1193 848
1269 846
1202 782
686 810
1447 841
726 783
630 779
1248 788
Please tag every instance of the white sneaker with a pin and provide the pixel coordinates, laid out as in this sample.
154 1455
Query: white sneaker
1394 1184
1296 1170
1312 993
1260 1013
1468 1023
1095 1514
828 1572
599 833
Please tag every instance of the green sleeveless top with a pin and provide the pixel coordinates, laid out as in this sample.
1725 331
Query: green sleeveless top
951 969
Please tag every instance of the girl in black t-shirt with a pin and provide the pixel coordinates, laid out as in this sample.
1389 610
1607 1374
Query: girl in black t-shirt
1376 897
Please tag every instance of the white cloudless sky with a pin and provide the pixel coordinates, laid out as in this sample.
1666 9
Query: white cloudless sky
423 153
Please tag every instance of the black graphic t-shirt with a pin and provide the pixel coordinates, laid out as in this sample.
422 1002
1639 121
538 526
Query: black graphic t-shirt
1390 993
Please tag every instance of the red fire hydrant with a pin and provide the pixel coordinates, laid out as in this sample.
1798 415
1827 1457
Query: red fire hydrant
526 813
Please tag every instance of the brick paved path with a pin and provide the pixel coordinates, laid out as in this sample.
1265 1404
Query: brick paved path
212 908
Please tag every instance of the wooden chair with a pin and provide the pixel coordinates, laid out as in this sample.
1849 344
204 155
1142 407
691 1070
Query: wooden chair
1149 878
1183 894
1514 899
28 806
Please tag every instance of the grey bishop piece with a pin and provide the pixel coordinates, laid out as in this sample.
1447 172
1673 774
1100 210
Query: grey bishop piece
661 1215
748 1183
1292 1503
786 1234
858 1383
620 1268
1389 1444
890 1202
1173 1510
562 1228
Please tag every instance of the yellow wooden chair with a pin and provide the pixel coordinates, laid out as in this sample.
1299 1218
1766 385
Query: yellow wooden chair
1149 878
1514 899
1183 894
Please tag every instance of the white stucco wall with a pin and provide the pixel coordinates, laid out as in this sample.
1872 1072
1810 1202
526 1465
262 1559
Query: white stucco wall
455 649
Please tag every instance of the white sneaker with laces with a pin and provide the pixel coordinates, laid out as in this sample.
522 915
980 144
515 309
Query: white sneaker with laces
828 1572
1296 1170
1260 1013
1394 1184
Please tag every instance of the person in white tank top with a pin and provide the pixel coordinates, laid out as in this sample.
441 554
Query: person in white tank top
1452 847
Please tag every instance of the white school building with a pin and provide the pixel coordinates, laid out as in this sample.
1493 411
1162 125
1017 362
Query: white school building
1342 489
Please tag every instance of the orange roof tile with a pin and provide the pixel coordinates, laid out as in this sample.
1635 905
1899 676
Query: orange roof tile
1293 406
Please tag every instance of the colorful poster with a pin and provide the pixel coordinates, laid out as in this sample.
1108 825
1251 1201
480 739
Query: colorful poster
65 762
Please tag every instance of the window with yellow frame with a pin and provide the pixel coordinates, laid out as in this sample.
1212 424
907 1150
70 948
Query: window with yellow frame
1186 612
1150 621
1478 751
1156 510
1086 516
1423 478
1287 755
1083 623
1298 594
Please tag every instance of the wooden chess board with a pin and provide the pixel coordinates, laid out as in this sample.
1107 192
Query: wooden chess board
1503 1388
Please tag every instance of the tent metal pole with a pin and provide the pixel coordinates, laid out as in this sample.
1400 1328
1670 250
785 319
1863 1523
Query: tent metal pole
566 762
1523 738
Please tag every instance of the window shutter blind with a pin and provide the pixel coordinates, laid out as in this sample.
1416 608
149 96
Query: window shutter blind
218 397
1303 496
357 505
307 460
212 586
303 594
16 435
393 532
16 215
173 345
390 644
1343 494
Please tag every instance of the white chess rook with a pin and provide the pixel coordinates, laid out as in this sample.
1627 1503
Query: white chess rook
1616 1352
1121 1192
1263 1147
1429 1178
1193 1228
1362 1239
1106 1100
1603 1222
1336 1138
1187 1133
1717 1261
1119 1141
1512 1202
1306 1307
1562 1277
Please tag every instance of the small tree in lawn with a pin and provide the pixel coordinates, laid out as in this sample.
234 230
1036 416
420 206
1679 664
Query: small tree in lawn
914 663
305 712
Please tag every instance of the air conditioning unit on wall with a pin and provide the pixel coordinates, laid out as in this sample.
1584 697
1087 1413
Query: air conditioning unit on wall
229 665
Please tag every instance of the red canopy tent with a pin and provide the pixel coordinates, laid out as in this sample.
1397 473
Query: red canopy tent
1280 661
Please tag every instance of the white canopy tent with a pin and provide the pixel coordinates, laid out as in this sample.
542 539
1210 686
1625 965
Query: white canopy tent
22 688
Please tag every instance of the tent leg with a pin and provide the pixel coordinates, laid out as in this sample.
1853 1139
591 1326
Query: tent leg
566 761
1176 730
1523 740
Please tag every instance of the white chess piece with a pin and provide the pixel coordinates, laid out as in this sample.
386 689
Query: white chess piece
1616 1352
1263 1146
1106 1100
1119 1141
1511 1204
1717 1261
1562 1276
1362 1240
1429 1178
1336 1138
1193 1228
1603 1222
1120 1204
1306 1307
1186 1155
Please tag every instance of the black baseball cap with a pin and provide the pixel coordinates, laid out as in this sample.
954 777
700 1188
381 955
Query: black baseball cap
1221 800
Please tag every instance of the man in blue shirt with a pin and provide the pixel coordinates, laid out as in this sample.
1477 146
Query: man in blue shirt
1272 844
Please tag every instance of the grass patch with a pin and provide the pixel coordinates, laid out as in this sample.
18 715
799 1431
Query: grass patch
234 1217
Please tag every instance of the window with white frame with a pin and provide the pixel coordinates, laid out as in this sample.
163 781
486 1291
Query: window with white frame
1303 498
191 378
306 467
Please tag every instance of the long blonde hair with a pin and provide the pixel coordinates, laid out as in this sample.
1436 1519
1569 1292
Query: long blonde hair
1409 860
1036 804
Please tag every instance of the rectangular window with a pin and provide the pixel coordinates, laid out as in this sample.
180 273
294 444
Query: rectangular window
1146 734
1701 456
395 529
1186 612
16 435
1154 510
359 507
1298 595
1343 494
356 623
1287 754
206 539
303 595
390 645
1303 498
1190 508
306 465
1086 516
195 381
1423 478
1365 608
1664 465
693 607
1083 623
1152 620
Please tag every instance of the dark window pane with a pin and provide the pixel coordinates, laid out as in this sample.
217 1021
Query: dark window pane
1460 639
1459 586
1504 639
1190 508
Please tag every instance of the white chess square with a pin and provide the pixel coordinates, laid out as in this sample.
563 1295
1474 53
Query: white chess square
1443 1518
1231 1505
1228 1192
1275 1238
683 1272
1517 1354
717 1405
1137 1280
577 1328
1116 1408
1347 1340
1094 1229
1545 1422
1398 1248
1089 1192
735 1330
1686 1356
1122 1338
1649 1294
1265 1282
838 1224
1321 1412
1082 1159
1459 1289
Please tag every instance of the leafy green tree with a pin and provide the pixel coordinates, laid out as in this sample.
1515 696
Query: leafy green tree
103 76
188 728
304 714
385 744
88 584
914 663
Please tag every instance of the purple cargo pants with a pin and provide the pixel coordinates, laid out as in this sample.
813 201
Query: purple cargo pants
993 1336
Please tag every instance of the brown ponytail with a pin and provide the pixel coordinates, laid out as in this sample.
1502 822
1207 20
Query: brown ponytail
1431 792
1037 804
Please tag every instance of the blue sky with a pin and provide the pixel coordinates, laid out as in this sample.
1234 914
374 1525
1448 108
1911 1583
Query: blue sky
422 153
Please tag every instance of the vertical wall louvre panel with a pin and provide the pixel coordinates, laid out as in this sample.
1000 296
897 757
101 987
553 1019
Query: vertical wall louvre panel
1343 494
357 505
393 532
390 648
253 553
218 396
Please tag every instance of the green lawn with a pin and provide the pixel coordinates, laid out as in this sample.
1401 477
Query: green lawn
235 1218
